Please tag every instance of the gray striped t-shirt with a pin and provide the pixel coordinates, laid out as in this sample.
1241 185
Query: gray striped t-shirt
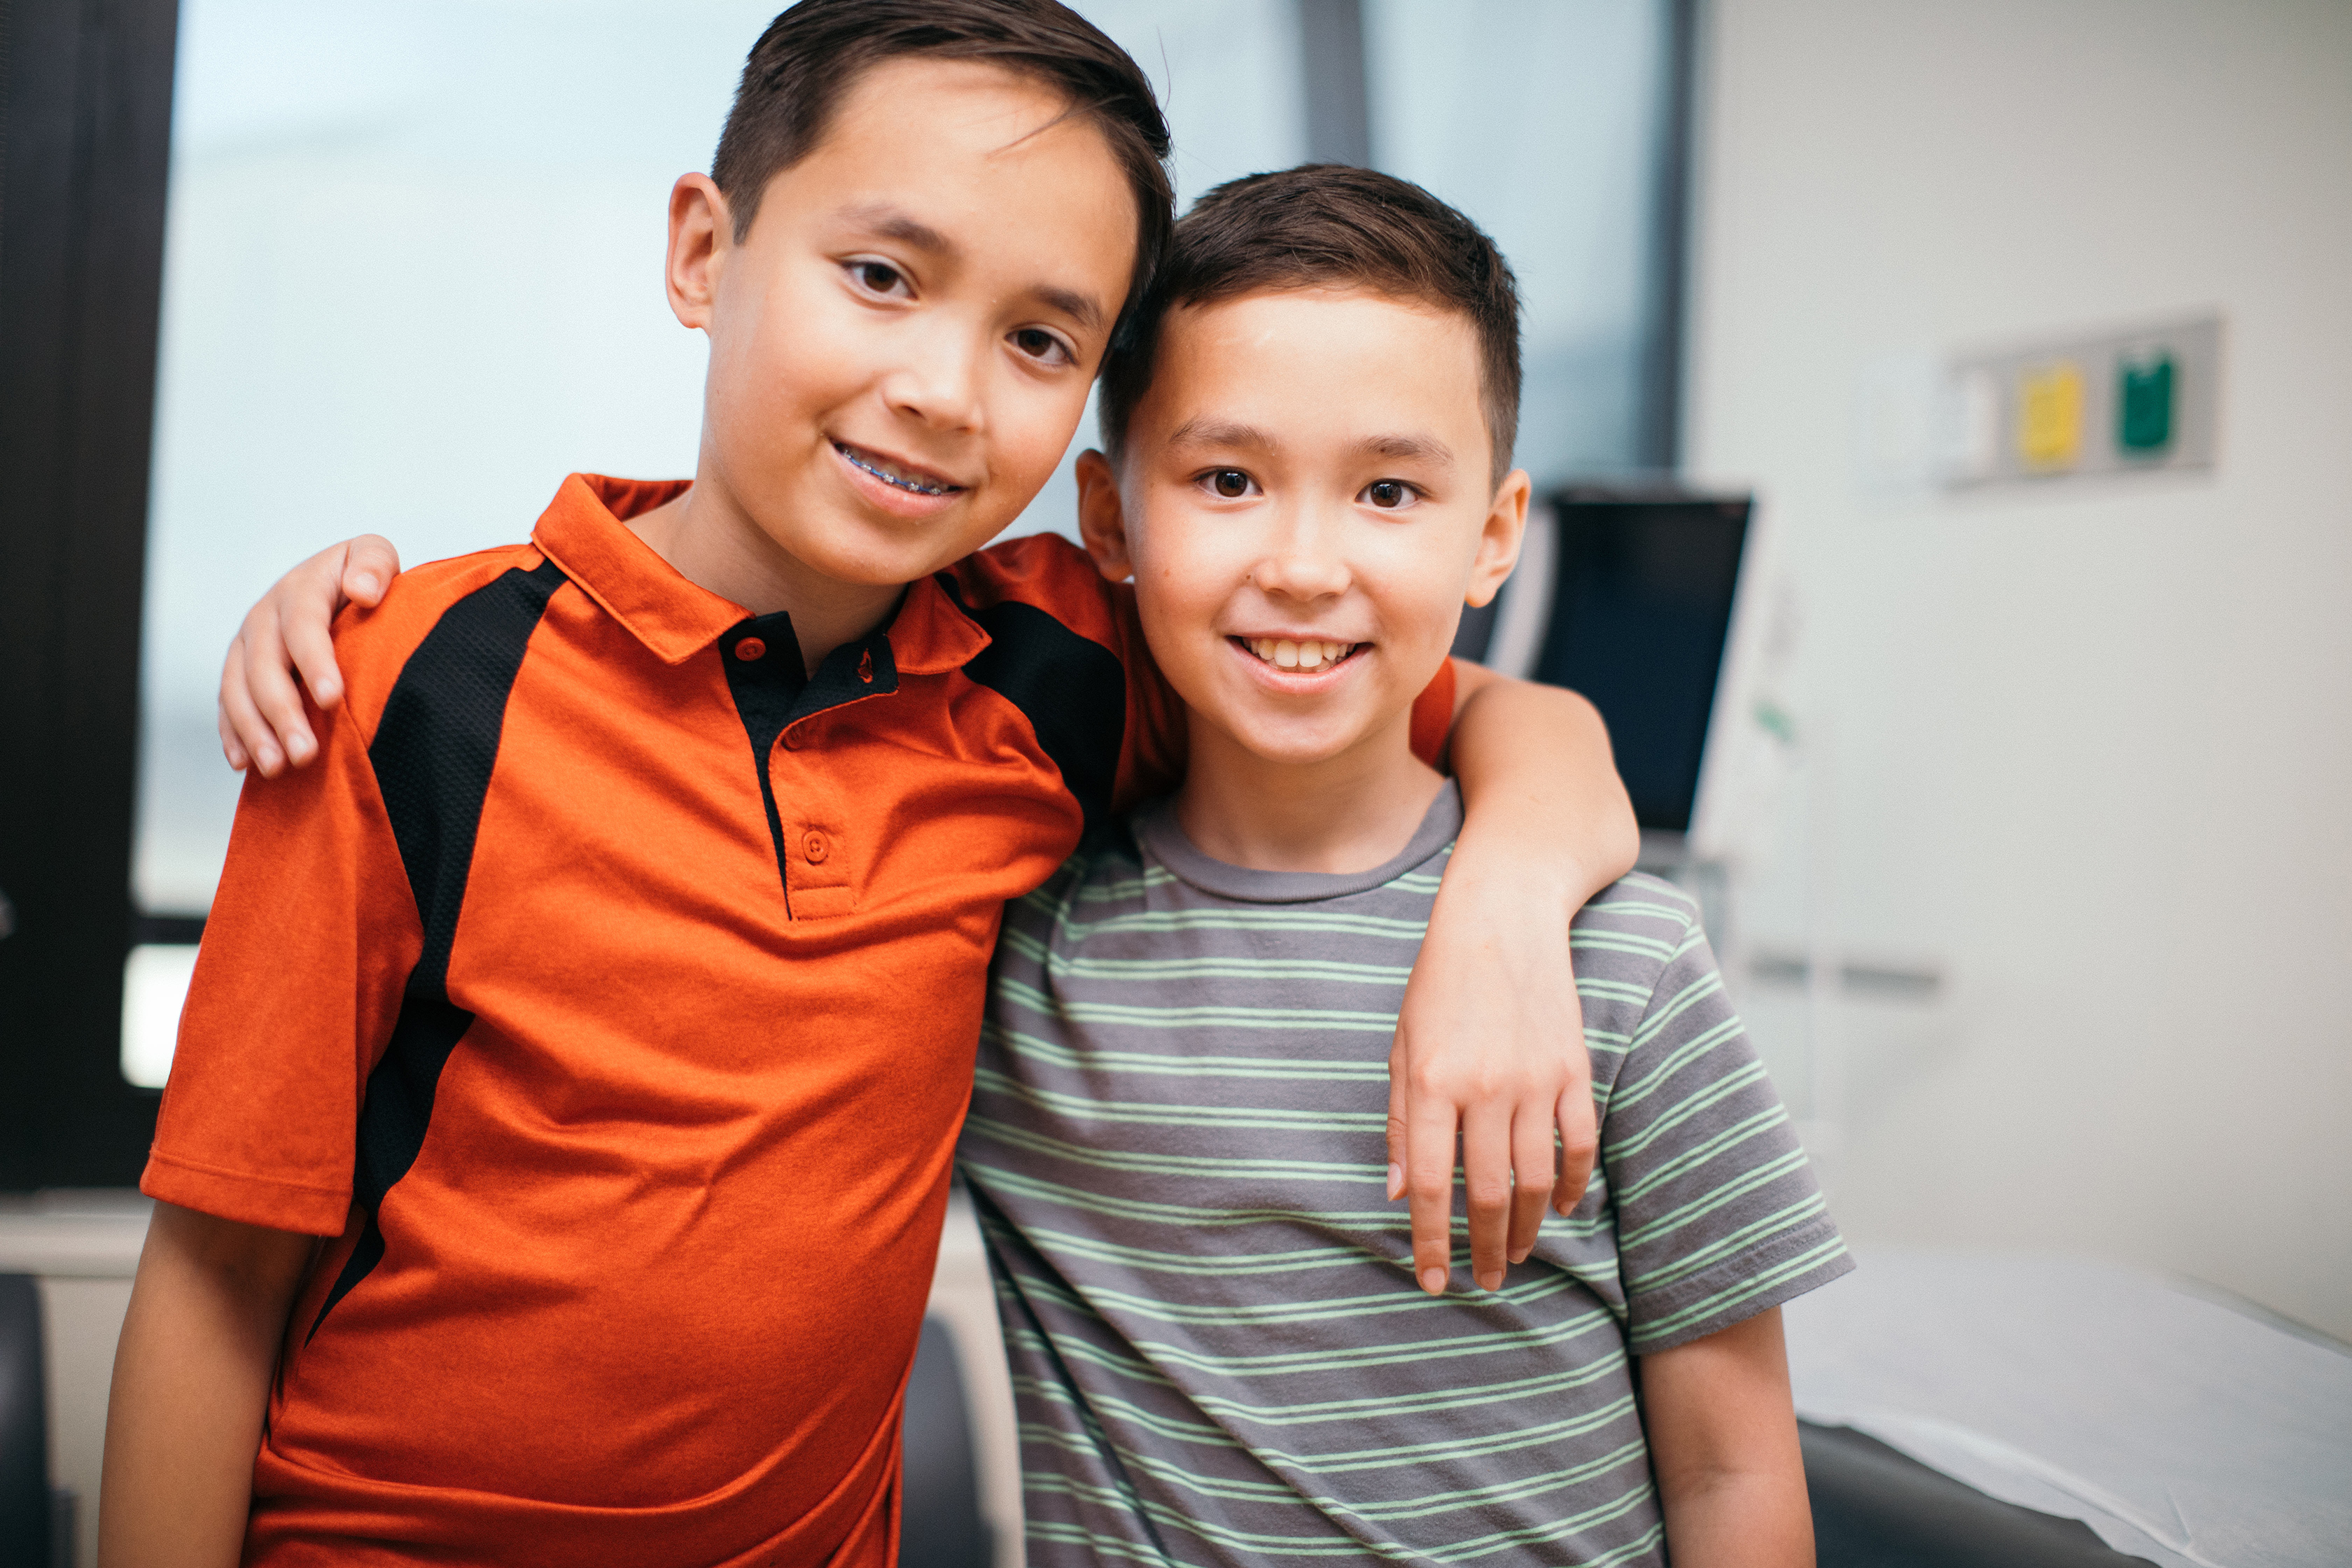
1176 1148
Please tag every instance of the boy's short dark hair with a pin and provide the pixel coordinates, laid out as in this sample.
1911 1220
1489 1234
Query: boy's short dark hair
811 55
1328 226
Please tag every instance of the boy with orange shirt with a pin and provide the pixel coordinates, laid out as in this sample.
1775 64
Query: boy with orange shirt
543 1058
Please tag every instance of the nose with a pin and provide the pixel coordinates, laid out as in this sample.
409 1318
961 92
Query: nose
1305 558
938 380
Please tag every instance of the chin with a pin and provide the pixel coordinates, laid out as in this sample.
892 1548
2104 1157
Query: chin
878 553
1291 744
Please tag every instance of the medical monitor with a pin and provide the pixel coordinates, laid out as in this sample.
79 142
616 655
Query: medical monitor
1627 595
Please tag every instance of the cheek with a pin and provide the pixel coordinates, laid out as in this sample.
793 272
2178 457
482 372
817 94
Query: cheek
793 349
1418 584
1195 565
1034 425
1178 598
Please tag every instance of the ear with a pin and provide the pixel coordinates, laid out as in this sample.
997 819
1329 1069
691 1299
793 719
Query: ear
701 235
1102 517
1499 537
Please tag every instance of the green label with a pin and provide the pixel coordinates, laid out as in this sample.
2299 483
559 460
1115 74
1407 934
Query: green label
2145 401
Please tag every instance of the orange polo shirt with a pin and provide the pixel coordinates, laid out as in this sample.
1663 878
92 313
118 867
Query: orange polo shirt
607 990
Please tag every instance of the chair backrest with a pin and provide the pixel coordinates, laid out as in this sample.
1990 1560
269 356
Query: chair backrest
25 1502
940 1523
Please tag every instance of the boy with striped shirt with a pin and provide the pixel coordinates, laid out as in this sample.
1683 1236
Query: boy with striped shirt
1176 1138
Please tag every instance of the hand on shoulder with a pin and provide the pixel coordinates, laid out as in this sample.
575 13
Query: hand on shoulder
286 644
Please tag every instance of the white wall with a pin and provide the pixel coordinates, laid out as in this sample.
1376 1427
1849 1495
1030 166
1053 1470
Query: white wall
2092 743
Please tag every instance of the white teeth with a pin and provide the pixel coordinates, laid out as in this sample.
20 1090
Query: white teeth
1307 655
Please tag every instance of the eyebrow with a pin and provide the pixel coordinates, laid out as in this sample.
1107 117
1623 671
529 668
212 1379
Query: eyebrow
1230 436
1223 434
1083 309
1428 448
890 222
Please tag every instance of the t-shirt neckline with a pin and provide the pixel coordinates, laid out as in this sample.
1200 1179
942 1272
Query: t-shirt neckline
1163 838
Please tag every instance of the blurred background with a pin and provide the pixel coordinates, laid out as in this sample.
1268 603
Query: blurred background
407 285
2022 819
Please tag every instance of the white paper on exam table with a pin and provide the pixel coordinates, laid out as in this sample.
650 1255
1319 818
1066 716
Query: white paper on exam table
2180 1429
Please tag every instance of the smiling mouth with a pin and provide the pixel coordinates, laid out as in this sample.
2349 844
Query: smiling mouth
1308 656
912 481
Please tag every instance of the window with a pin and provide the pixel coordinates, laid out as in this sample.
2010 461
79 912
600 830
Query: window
410 275
1566 144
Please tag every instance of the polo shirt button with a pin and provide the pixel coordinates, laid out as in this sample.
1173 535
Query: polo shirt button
816 848
751 650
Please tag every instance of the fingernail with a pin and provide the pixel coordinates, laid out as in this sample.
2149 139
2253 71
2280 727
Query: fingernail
1396 1181
364 582
1434 1282
1491 1281
1522 1256
270 760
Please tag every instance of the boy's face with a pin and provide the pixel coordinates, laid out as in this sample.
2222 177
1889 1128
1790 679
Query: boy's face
1306 505
900 347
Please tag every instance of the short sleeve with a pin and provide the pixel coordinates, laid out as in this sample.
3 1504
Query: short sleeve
298 984
1718 1216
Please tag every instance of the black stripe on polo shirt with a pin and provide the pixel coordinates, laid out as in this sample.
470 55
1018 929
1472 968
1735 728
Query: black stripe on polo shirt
433 754
762 661
772 692
1071 689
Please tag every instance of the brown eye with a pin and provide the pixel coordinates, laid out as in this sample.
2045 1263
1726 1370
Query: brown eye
878 276
1231 483
1386 493
1039 343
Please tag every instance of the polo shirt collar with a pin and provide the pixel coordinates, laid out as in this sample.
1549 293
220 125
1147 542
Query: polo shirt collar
584 532
931 635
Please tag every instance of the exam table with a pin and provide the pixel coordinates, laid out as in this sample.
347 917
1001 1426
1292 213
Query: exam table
1977 1408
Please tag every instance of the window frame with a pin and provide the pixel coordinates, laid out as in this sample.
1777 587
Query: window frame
85 153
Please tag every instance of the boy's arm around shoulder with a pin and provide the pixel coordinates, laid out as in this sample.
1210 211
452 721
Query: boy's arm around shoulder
1490 1037
1723 1445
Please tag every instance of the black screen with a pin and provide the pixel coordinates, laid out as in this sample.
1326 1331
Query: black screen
1640 610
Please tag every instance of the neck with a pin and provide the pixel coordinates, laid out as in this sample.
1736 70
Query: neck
1341 814
715 544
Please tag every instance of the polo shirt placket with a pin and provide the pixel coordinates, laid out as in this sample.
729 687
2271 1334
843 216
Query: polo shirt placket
808 823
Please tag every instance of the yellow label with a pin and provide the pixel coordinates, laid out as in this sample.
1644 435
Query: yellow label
2049 415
